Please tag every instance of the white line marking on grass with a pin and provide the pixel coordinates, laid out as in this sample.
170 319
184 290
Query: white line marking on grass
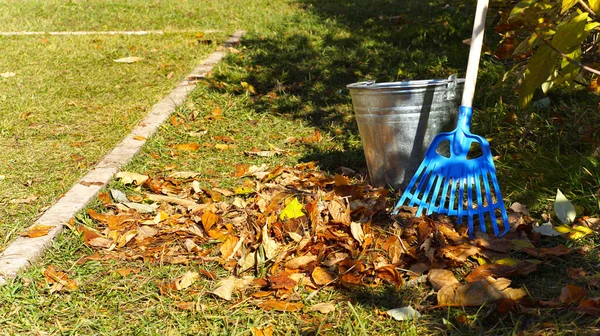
113 32
23 251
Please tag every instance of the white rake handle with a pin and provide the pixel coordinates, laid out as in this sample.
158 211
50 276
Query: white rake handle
474 53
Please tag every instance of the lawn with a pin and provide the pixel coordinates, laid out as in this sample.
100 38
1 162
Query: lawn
284 92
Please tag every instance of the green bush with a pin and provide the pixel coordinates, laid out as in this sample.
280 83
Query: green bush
550 43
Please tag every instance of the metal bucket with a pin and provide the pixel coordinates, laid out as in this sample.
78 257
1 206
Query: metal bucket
397 122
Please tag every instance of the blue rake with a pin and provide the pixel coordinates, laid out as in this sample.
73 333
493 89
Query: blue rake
459 175
445 184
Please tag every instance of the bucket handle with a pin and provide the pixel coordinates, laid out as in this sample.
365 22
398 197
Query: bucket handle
451 87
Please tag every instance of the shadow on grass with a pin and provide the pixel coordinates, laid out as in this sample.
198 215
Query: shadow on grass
302 70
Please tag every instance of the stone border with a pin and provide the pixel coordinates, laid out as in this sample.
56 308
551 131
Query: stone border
110 32
24 251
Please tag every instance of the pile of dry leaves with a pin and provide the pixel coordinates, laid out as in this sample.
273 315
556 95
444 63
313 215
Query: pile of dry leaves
289 229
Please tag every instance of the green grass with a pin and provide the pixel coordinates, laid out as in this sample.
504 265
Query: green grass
299 62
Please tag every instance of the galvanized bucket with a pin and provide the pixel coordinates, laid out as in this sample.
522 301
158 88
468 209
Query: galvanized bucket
398 120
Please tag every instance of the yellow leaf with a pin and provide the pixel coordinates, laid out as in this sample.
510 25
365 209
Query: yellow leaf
563 228
139 137
249 88
507 261
567 4
292 210
188 147
595 6
129 178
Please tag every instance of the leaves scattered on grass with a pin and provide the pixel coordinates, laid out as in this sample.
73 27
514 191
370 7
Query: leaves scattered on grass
288 230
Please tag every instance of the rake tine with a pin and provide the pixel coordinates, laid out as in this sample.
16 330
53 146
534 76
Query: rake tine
499 202
436 191
451 209
488 195
461 192
408 192
441 208
480 203
423 201
470 201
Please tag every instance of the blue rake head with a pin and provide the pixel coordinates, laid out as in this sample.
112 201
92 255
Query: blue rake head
458 185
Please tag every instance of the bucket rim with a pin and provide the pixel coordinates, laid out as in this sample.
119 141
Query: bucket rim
414 84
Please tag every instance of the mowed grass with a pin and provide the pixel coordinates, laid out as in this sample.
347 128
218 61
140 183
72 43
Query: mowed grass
298 64
69 103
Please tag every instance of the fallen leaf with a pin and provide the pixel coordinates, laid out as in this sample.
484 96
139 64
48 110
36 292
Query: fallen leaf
26 200
292 210
284 306
266 331
357 232
520 208
555 251
323 308
321 277
300 261
479 292
571 294
190 147
130 59
189 306
270 246
139 138
339 211
501 270
37 231
59 280
576 273
439 278
564 209
186 280
129 178
459 253
281 281
226 286
546 229
404 313
590 307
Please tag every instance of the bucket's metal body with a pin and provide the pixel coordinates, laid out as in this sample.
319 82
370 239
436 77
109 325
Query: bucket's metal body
398 120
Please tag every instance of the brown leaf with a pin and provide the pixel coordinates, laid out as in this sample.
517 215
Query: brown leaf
572 294
321 277
479 292
26 200
281 305
189 147
37 231
394 249
281 281
496 270
300 261
226 286
208 220
339 211
590 307
266 331
228 246
555 251
189 306
185 280
439 278
390 274
459 253
323 308
59 280
576 273
125 272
